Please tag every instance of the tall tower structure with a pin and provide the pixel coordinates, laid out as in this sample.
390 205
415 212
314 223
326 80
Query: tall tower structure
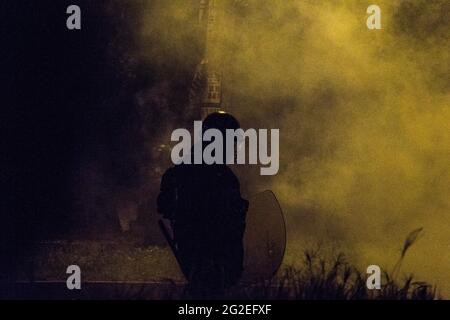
212 98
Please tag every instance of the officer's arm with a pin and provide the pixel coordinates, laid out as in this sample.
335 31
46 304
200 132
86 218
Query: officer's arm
167 195
240 204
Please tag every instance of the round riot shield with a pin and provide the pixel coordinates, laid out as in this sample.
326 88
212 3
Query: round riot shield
264 237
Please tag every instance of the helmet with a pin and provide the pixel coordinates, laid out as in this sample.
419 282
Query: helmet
221 121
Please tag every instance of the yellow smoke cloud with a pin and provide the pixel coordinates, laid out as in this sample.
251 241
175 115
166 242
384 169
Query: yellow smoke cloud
363 116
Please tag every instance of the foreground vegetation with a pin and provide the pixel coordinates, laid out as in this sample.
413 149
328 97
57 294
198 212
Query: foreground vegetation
318 279
123 271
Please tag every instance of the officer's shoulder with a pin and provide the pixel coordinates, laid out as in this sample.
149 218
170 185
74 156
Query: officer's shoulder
229 174
176 170
170 172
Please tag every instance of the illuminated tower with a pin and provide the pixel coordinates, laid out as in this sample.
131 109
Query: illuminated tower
212 98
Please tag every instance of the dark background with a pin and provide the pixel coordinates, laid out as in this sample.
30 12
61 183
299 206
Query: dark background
67 96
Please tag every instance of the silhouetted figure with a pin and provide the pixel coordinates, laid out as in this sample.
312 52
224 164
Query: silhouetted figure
207 214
